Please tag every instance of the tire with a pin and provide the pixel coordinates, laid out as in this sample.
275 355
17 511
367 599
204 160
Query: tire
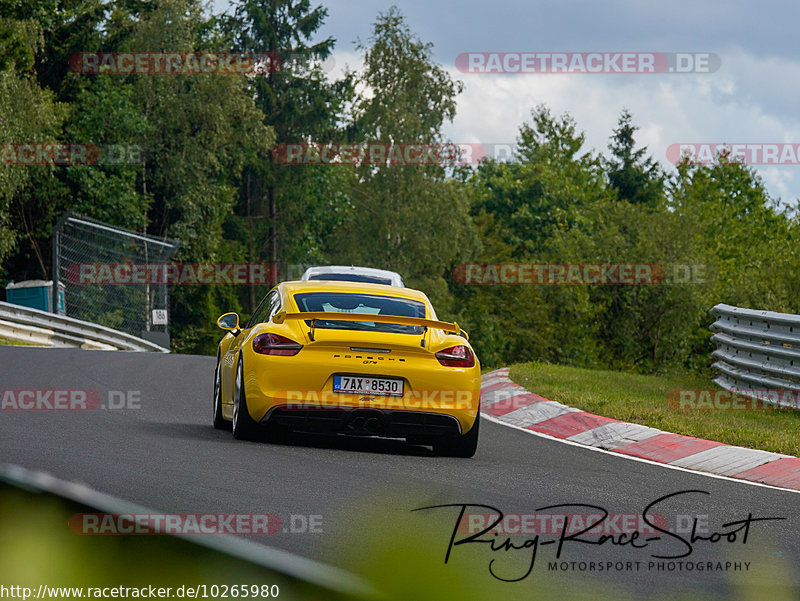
244 427
220 423
459 446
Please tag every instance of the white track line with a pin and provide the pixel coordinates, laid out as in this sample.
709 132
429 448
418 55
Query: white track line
640 459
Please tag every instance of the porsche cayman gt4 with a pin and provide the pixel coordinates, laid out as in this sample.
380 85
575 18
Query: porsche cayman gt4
348 358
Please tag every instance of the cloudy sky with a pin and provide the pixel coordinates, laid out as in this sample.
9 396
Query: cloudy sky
751 98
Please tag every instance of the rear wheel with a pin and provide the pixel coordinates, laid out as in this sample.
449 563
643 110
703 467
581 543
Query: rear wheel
244 427
220 423
464 445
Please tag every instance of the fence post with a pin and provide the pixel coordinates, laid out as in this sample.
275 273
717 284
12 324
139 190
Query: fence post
56 262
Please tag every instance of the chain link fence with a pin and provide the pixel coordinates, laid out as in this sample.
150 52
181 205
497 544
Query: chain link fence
89 255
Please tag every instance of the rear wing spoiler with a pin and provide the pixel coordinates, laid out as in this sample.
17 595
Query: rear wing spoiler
282 316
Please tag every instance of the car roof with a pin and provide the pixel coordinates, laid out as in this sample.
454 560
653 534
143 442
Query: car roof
294 287
394 277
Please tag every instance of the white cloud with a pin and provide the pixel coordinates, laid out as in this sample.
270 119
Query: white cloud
667 108
751 98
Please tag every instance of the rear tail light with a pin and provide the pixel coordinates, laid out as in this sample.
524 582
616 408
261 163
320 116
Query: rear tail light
456 356
272 344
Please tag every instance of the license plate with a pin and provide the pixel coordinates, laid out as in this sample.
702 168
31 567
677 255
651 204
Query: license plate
368 385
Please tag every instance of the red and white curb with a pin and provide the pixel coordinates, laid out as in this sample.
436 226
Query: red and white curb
510 403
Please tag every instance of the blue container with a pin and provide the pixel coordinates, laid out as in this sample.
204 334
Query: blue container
36 294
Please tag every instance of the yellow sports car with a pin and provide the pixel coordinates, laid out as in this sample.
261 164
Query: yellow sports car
348 358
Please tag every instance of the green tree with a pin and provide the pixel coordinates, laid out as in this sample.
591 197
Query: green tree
288 210
28 115
749 241
106 116
408 218
522 206
635 176
545 187
200 130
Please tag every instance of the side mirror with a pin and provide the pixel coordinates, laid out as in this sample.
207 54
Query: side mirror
229 321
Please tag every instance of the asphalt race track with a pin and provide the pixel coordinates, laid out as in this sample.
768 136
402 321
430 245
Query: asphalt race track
163 453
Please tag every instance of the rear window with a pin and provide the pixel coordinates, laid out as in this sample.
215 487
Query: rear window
347 277
344 302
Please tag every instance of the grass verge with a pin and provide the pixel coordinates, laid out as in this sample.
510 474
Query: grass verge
7 342
642 399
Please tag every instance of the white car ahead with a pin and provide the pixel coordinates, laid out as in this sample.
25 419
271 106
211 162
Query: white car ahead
353 274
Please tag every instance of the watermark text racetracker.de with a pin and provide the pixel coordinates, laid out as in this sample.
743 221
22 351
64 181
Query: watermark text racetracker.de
588 274
733 400
748 153
409 399
587 62
91 274
174 63
388 153
69 154
52 399
544 523
194 523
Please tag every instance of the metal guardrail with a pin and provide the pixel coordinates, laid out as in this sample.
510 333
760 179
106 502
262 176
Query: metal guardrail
758 353
40 327
322 576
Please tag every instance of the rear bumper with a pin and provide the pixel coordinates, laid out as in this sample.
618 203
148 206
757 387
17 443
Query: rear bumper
454 396
364 422
304 389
